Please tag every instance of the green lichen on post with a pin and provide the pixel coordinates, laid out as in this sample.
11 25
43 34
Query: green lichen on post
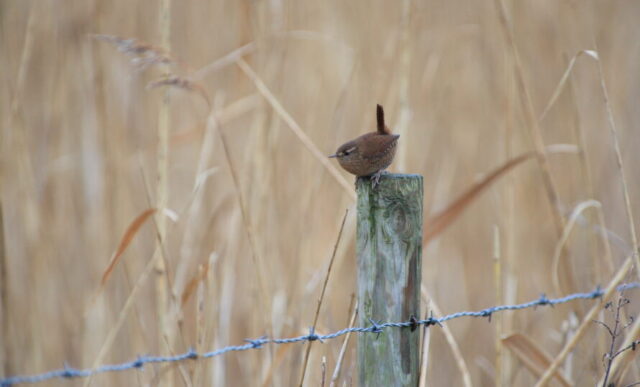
389 250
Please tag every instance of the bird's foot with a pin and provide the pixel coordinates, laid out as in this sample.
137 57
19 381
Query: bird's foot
375 178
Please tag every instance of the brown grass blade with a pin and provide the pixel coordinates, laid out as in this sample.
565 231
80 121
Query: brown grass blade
193 283
534 358
131 232
440 221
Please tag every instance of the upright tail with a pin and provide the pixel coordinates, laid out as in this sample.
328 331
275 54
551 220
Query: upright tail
382 128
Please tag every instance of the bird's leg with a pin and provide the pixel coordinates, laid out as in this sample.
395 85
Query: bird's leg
375 178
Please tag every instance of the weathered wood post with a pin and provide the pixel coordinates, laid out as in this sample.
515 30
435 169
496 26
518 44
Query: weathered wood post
389 250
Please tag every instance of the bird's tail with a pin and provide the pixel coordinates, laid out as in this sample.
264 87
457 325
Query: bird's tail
382 128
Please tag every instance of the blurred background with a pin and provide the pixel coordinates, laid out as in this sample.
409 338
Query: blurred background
218 115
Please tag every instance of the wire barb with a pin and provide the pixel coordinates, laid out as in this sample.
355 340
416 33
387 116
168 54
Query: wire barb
414 323
375 328
257 343
192 354
312 335
139 363
544 300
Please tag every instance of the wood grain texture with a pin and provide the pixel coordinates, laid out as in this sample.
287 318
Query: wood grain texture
389 250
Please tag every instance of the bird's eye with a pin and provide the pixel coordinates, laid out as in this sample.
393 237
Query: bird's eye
346 152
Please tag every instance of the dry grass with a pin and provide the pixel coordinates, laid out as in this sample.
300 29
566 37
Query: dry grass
219 114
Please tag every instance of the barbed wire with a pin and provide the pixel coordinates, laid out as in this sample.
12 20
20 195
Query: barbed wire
375 327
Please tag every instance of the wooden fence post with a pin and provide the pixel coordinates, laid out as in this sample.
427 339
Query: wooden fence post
389 250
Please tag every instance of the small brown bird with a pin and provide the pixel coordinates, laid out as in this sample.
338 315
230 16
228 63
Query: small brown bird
371 153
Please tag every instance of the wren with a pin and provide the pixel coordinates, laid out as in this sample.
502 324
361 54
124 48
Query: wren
371 153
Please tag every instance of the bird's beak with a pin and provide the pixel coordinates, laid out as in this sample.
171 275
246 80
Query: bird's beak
332 156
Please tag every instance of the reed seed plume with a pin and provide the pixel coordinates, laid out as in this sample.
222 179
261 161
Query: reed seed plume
183 84
143 55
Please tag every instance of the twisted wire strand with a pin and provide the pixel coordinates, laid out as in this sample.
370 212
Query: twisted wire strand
375 327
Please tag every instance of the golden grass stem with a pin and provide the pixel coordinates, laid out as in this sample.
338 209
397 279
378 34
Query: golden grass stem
621 363
566 78
297 130
498 281
111 335
260 268
5 366
404 73
566 233
619 161
194 205
186 379
323 371
225 61
162 187
533 357
532 123
6 363
200 320
424 351
451 340
509 263
343 347
583 156
324 288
